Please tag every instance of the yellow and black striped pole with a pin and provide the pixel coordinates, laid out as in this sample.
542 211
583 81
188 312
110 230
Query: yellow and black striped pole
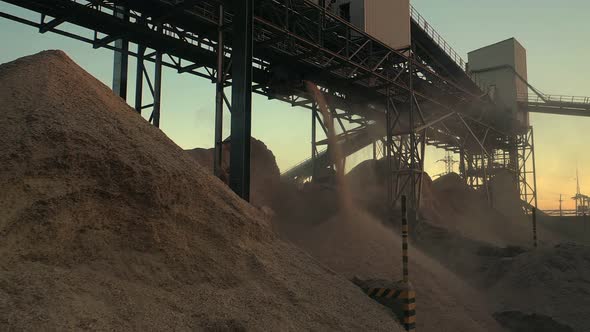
408 296
534 211
405 241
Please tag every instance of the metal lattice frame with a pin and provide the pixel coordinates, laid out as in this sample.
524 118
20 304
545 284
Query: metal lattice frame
154 83
310 42
405 153
527 180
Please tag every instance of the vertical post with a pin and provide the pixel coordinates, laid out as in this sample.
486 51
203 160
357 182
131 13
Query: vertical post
241 115
524 176
313 139
534 212
462 164
585 221
121 58
405 270
219 90
389 155
413 146
157 89
485 182
321 23
139 79
534 166
407 296
491 159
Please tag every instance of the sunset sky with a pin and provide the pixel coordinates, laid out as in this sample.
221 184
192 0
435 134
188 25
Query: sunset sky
555 34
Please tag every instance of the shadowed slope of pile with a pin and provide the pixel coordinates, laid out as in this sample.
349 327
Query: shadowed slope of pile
265 174
356 244
106 224
550 281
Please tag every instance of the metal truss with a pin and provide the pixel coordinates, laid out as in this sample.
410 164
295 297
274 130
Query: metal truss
405 153
154 83
516 156
379 149
527 180
284 31
368 82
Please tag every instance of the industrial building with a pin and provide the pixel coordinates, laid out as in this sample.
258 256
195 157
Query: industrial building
393 82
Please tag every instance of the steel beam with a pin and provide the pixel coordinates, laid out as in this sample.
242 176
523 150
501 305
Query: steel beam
121 58
544 109
157 90
219 97
526 169
48 26
534 174
241 115
140 69
313 42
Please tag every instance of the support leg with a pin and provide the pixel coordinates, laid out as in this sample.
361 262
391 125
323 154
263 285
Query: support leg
241 116
157 89
313 139
219 92
121 59
139 79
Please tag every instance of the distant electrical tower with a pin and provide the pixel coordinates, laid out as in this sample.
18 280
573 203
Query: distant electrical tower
581 200
449 162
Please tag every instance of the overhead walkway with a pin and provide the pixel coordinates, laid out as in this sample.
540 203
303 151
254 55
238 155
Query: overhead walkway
539 102
552 104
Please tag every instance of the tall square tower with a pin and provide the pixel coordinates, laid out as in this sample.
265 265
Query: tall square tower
386 20
503 68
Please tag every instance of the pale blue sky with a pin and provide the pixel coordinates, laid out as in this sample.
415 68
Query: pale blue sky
555 34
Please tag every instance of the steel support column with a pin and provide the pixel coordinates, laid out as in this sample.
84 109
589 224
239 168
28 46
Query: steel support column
314 149
406 153
462 169
527 180
157 90
219 96
534 174
154 83
241 113
121 58
139 79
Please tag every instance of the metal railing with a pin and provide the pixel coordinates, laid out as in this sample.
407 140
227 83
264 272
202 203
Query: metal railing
291 170
561 213
438 39
533 98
